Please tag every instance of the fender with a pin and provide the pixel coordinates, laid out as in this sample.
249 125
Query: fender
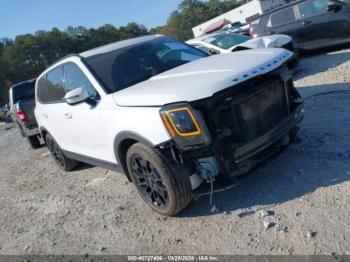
122 142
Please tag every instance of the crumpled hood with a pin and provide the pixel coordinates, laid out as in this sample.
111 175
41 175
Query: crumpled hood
269 41
202 78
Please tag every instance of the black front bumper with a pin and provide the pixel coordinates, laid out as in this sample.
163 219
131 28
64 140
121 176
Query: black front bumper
256 121
252 148
246 156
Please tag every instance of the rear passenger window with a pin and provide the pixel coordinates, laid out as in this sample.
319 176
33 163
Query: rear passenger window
75 78
282 17
55 90
41 89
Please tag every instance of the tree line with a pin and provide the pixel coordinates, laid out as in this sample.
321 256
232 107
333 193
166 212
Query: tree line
26 56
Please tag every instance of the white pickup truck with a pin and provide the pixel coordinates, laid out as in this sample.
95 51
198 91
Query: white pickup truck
166 114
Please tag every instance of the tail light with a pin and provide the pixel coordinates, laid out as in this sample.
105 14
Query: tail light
250 29
22 116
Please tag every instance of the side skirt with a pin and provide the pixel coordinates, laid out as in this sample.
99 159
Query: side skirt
93 161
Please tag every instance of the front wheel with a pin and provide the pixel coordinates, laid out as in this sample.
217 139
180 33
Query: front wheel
61 160
163 189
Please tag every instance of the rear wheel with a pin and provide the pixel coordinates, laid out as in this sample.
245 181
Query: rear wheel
34 141
160 186
62 161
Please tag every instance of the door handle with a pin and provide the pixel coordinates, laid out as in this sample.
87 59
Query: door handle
68 115
306 22
45 115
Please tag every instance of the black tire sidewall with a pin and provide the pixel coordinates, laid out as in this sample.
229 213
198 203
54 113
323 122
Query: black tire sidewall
34 141
163 170
50 138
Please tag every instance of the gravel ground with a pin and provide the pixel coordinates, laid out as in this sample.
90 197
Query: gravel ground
297 203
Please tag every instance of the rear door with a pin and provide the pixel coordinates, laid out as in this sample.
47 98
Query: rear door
321 26
284 22
51 107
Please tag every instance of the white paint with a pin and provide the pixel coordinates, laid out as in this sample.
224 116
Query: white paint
202 78
270 41
91 131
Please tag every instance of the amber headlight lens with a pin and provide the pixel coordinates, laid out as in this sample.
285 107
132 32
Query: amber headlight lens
185 125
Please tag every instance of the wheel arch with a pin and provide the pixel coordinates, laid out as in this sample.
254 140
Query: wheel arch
122 142
43 132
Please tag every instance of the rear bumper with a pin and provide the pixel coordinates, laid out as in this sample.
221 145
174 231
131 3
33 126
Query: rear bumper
30 131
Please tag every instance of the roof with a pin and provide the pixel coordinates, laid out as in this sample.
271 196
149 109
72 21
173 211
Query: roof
217 25
117 45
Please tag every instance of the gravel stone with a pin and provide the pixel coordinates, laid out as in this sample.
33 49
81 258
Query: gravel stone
35 195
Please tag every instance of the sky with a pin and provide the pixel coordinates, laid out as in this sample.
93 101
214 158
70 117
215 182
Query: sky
28 16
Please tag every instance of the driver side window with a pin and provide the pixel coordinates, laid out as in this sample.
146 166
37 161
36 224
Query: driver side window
75 78
313 7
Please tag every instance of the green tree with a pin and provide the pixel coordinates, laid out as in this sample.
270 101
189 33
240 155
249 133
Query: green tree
192 13
26 56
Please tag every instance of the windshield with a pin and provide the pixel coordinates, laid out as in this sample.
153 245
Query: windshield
125 67
23 92
226 40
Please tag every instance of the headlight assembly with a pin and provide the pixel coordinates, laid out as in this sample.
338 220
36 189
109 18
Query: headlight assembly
185 125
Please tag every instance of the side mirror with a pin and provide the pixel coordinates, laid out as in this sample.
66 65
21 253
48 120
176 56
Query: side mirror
334 8
76 96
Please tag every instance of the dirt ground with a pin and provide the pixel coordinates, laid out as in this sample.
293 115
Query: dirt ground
302 196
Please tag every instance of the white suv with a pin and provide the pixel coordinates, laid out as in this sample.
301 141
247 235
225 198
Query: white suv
167 115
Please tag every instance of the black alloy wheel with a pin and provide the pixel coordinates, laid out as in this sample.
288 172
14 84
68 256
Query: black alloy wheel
149 182
164 186
56 152
62 161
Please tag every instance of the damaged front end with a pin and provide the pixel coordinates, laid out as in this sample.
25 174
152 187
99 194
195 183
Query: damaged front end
227 134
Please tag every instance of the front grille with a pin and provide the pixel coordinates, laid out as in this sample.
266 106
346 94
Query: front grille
263 111
246 111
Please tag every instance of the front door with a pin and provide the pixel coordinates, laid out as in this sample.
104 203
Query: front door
320 24
83 119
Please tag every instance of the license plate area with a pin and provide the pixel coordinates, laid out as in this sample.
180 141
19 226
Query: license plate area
261 111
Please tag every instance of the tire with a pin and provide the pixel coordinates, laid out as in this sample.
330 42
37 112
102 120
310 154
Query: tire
61 160
34 141
294 138
157 181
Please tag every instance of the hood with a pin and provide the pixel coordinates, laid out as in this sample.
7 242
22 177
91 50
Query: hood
201 78
269 41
